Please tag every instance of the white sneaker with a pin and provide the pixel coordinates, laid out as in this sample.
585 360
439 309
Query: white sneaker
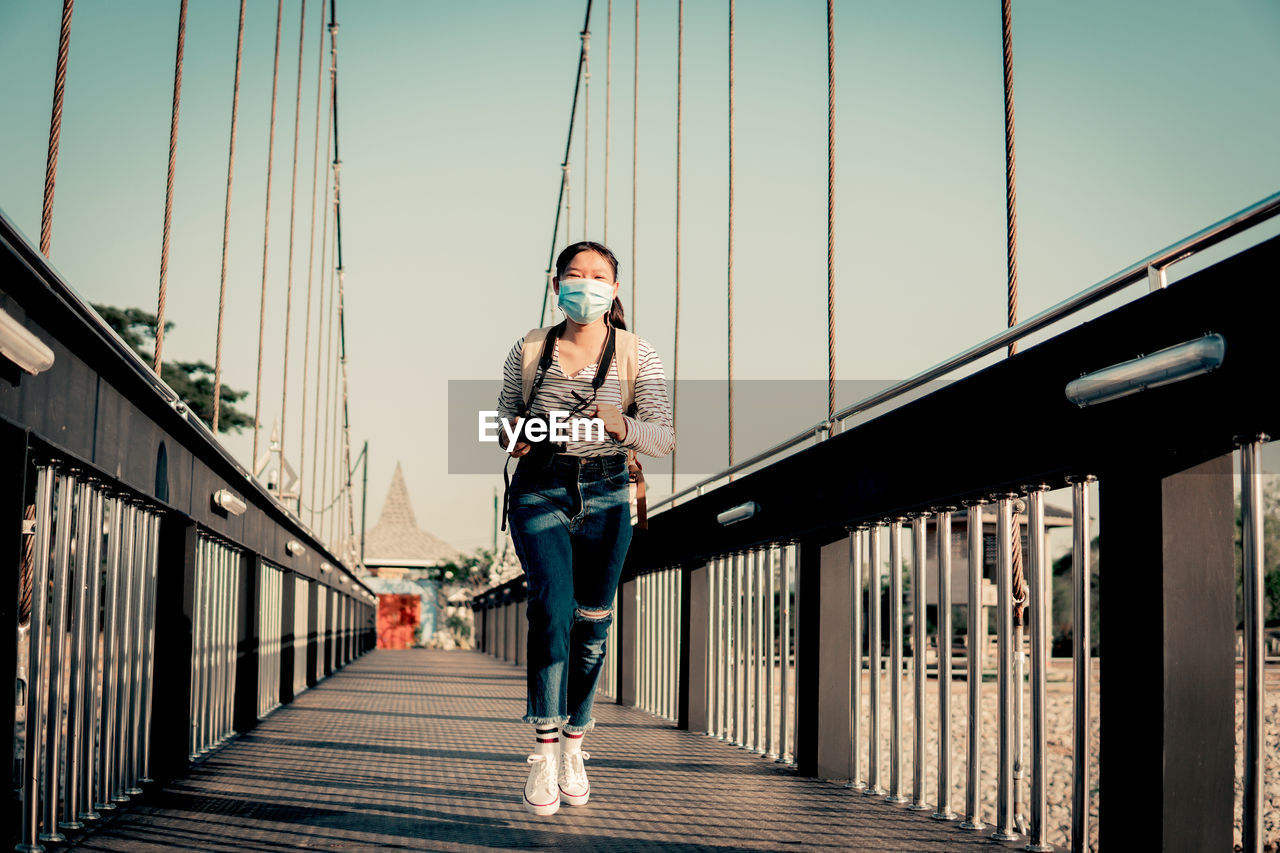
541 793
574 787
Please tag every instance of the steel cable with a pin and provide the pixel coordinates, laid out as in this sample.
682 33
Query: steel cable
168 187
1010 167
266 234
675 358
831 214
55 127
293 205
226 225
324 230
635 150
729 261
608 112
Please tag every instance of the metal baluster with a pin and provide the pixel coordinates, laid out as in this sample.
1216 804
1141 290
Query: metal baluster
673 672
233 558
78 592
944 811
148 675
758 652
977 642
1038 609
197 643
713 637
1254 567
721 629
1005 830
919 639
57 658
1081 642
141 543
732 733
230 634
856 535
37 662
748 633
124 618
741 654
771 638
874 640
92 681
110 658
797 591
784 651
895 661
263 639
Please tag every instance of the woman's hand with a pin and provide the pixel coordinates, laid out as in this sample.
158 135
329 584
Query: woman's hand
614 424
520 448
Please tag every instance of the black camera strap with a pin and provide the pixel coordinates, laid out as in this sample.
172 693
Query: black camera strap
544 364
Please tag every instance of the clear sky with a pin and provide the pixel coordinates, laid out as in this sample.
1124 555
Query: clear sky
1138 123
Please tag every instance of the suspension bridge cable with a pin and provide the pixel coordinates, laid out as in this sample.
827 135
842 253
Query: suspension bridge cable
1010 167
293 206
321 318
729 260
586 126
608 112
226 225
55 127
831 214
168 187
564 175
266 233
675 360
311 250
635 150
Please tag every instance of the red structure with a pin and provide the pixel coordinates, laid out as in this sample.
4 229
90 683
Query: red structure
398 617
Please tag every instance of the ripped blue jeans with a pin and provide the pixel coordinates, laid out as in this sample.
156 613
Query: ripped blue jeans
571 525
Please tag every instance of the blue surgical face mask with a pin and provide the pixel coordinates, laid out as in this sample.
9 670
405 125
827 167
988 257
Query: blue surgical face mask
583 300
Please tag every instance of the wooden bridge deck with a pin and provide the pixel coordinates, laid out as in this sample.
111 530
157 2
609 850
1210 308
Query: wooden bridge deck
423 750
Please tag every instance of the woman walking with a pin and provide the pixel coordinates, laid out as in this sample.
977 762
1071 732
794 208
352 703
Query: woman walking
569 501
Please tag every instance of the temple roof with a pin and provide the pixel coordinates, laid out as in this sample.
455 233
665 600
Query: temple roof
396 540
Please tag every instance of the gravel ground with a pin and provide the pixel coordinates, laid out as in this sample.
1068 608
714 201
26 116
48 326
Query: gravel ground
1060 772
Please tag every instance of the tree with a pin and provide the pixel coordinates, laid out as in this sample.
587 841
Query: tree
1270 554
192 381
470 574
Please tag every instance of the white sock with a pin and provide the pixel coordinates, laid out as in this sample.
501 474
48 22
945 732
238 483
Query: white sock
546 740
572 742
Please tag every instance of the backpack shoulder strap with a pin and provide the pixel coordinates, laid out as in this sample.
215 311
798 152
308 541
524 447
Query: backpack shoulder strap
536 351
626 355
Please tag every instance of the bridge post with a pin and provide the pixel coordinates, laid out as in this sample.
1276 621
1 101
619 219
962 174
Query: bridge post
314 591
175 604
696 632
811 643
13 502
1167 617
627 637
287 607
250 643
834 664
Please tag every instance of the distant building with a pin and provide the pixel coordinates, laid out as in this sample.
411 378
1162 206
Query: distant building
399 556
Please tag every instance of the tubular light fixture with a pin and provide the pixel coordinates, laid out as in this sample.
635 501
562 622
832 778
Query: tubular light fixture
324 567
741 512
1173 364
294 547
226 500
20 346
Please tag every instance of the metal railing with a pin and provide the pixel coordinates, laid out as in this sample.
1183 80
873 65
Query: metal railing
658 642
216 614
270 631
301 606
1152 270
85 682
751 649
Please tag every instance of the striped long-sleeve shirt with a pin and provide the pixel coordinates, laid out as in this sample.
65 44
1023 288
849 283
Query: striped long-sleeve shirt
650 432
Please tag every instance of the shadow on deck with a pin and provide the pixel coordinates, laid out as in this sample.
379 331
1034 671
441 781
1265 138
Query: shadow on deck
423 750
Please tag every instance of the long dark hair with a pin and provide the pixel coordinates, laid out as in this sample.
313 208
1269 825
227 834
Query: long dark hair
615 317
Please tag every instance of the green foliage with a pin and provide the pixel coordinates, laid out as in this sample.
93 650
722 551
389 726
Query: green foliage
192 381
472 571
458 626
1063 597
1270 555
